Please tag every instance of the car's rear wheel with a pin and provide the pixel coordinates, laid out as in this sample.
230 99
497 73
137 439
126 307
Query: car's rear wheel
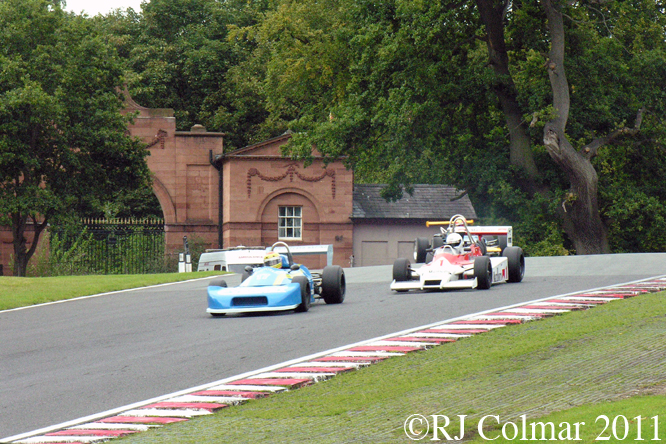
482 245
502 242
516 260
430 255
420 246
483 272
305 293
333 284
437 241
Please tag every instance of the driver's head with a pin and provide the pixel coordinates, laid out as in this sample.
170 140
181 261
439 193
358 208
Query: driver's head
454 239
272 259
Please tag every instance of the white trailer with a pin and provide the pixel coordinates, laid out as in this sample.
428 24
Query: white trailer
231 259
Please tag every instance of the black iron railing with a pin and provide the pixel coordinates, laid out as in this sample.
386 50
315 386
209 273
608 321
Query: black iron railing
109 247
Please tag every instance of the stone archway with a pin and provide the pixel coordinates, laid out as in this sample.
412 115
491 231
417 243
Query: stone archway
184 180
166 203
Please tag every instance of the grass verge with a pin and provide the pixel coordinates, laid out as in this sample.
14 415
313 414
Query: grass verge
575 367
639 418
19 292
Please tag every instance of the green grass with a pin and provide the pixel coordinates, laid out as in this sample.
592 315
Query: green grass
627 420
19 292
571 368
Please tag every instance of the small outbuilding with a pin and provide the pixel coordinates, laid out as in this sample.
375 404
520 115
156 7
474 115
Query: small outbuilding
384 231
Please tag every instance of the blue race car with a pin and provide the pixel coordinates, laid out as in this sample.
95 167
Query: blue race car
278 285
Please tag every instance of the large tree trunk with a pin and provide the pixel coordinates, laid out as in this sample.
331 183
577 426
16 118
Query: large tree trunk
520 149
580 211
22 253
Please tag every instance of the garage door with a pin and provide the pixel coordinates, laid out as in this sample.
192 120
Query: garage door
374 253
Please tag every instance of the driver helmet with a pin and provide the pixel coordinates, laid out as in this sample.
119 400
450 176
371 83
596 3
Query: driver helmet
272 259
455 240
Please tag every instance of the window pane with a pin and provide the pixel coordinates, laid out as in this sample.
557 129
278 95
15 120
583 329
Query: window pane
290 222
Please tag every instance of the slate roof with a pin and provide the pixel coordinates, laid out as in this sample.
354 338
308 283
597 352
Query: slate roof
433 202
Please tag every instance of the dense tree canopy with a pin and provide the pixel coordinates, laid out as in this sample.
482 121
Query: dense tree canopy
63 139
524 104
549 114
178 55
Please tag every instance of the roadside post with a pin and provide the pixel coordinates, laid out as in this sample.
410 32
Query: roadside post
185 258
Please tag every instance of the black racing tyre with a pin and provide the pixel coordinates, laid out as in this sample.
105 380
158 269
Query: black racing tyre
516 263
437 241
217 283
482 245
483 272
305 293
502 243
333 284
420 246
245 274
401 270
429 257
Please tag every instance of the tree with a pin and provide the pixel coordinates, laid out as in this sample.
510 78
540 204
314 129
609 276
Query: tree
513 101
590 28
178 55
63 138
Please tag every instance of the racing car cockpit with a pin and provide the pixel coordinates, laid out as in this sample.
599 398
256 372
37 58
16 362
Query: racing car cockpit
455 241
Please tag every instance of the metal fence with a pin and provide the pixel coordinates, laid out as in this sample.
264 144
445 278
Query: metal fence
110 247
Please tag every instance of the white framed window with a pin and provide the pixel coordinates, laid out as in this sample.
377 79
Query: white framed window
290 222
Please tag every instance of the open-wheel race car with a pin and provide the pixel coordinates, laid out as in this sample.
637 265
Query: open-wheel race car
279 284
460 257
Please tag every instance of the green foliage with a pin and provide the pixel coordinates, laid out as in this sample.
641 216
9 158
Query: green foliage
66 255
178 55
62 136
403 91
110 249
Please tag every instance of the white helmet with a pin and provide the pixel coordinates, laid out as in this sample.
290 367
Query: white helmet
454 239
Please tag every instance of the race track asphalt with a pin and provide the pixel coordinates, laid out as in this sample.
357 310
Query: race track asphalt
62 361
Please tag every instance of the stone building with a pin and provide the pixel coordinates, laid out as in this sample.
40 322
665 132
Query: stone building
267 197
254 196
384 231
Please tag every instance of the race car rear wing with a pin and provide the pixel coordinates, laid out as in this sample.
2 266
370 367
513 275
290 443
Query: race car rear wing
502 234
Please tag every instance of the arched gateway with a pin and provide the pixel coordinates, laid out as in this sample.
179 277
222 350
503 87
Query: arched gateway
264 197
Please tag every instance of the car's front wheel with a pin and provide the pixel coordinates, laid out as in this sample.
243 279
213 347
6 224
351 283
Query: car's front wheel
401 270
305 293
483 272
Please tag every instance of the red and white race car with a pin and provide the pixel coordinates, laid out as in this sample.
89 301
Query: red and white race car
461 257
